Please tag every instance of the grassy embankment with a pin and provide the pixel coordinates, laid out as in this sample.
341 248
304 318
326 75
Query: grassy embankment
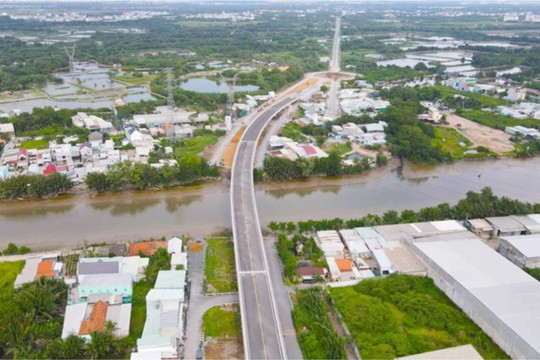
497 121
196 145
403 315
135 80
449 141
219 269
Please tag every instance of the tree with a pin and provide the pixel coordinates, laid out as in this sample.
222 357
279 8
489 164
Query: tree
11 249
381 159
324 88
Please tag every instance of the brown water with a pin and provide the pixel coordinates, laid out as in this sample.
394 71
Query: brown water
200 211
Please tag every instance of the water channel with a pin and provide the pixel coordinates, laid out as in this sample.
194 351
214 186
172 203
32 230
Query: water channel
202 210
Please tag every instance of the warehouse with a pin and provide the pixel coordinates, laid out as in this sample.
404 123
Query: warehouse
330 243
356 245
506 226
522 250
498 296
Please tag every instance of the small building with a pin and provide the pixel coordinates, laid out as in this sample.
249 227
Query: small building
109 284
333 268
179 259
132 265
174 245
96 267
356 245
84 318
308 273
384 264
522 250
506 226
330 243
36 267
530 222
480 227
344 265
7 129
171 279
91 122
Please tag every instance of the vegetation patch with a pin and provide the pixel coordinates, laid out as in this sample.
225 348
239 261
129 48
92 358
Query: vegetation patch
136 78
316 335
35 144
497 121
450 141
222 322
138 308
293 131
403 315
219 269
9 271
196 145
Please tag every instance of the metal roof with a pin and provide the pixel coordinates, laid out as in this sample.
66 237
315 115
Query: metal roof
506 224
171 279
528 245
508 292
99 267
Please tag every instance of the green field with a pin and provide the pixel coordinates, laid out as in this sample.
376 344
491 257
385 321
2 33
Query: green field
314 330
497 121
485 101
35 144
341 148
401 315
222 322
136 80
219 270
196 145
293 132
9 271
138 308
448 140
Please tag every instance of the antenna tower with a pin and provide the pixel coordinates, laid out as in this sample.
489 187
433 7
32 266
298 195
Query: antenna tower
170 97
70 51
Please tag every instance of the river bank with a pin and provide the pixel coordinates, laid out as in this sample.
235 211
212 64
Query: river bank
205 209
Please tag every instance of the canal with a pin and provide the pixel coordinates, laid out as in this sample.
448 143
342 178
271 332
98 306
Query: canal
203 210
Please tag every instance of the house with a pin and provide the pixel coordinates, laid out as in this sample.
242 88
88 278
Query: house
308 273
95 139
330 243
516 94
96 267
91 122
106 284
84 318
174 245
375 128
131 265
7 129
147 248
179 260
170 279
50 169
36 267
356 245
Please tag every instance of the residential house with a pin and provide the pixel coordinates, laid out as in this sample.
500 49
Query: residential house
91 122
106 284
7 129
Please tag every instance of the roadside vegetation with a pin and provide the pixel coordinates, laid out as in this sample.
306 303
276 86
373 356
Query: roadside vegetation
314 330
497 121
219 269
402 315
291 256
474 205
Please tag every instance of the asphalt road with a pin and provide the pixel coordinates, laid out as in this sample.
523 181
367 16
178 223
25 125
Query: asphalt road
261 328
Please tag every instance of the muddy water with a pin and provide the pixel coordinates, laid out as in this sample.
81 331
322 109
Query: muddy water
204 210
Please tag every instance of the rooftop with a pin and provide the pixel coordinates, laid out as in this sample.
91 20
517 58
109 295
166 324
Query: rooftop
507 291
506 223
171 279
96 322
46 269
98 267
463 352
528 245
148 248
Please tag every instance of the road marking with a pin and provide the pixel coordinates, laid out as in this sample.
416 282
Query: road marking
260 317
249 272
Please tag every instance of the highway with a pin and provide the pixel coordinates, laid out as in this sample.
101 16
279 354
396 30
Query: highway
332 107
261 328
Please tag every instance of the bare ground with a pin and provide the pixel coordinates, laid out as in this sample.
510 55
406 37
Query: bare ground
481 135
224 349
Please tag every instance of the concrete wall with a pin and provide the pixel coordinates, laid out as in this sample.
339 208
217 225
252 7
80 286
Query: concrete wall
495 328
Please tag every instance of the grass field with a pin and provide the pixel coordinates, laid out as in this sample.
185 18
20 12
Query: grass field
138 308
196 145
9 271
341 148
222 322
497 121
449 141
293 132
219 270
402 315
135 80
35 144
486 101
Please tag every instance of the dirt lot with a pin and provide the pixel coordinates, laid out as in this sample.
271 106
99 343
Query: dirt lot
480 135
224 349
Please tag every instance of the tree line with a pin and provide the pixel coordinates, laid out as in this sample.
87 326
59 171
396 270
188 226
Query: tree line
34 186
474 205
127 175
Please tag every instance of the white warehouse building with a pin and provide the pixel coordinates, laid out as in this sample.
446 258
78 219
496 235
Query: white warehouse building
497 295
